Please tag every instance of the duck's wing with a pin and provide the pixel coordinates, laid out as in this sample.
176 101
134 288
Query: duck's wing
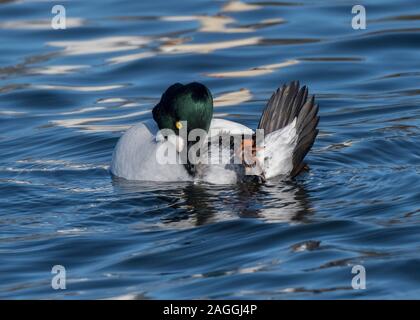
289 121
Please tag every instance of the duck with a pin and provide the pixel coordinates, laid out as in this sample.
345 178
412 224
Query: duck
285 133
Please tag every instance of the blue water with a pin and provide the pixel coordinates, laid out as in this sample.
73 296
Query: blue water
66 96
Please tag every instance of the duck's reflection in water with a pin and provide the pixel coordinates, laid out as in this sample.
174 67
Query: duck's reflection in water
185 205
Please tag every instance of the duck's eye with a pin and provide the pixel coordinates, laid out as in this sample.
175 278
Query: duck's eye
178 125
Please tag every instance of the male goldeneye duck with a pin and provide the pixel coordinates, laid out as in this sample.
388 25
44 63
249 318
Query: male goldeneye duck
289 122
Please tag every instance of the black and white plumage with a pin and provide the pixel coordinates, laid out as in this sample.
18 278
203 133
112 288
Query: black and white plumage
226 161
290 105
289 121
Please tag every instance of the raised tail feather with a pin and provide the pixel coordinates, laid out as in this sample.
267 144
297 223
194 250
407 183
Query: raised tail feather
287 103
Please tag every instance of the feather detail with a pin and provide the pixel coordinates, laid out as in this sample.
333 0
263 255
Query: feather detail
288 103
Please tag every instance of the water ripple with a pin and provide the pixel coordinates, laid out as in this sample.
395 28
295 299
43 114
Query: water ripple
66 96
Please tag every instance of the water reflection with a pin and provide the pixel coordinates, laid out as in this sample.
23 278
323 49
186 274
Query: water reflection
100 45
254 72
100 123
196 204
233 98
223 23
77 88
210 46
39 24
67 95
212 23
239 6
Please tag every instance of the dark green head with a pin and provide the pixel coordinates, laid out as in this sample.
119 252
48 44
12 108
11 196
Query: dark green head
192 103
